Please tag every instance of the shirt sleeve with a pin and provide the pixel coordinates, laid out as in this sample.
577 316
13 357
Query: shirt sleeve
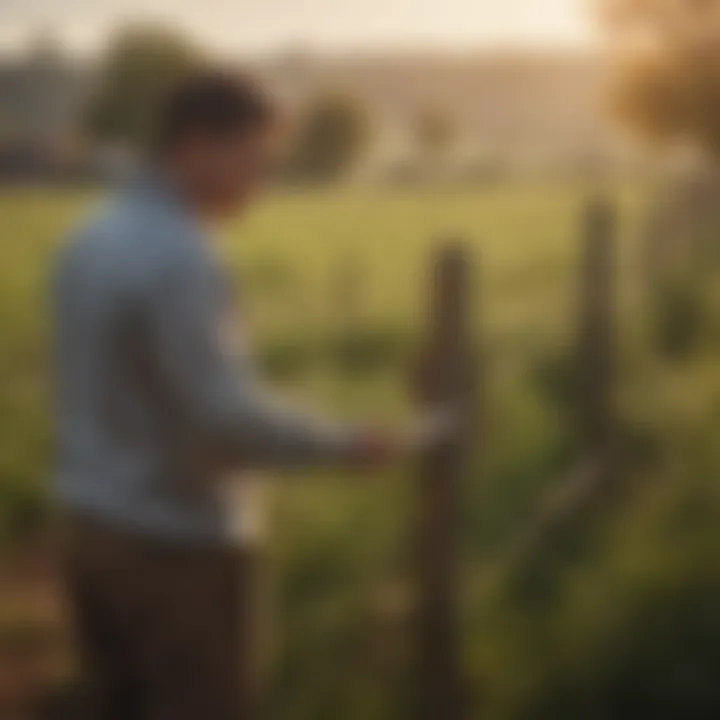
217 399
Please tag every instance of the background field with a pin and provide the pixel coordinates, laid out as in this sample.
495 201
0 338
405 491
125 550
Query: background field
597 626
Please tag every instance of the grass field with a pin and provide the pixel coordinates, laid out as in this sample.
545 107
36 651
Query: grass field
336 553
286 256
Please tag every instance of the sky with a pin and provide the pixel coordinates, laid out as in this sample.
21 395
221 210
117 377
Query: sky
257 25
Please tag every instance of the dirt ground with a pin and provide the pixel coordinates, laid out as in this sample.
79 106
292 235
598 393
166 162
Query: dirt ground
36 662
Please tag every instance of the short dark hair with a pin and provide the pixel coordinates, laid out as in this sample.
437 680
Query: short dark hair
211 103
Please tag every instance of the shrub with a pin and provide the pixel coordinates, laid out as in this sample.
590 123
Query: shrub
287 358
681 317
366 350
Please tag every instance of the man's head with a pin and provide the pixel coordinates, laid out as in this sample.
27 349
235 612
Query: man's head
212 140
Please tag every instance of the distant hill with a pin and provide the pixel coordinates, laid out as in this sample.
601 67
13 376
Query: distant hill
511 103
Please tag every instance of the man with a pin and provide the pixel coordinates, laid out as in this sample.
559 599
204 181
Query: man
158 406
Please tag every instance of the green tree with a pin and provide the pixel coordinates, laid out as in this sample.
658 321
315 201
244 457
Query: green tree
667 90
332 136
139 66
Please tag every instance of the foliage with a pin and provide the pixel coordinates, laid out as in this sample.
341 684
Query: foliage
288 357
681 316
141 63
668 80
631 630
332 136
362 351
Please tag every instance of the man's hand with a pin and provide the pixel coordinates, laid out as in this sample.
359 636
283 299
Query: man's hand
375 448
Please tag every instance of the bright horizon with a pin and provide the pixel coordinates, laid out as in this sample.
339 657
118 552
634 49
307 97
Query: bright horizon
237 26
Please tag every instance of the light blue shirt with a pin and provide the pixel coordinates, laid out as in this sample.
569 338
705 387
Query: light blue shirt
155 405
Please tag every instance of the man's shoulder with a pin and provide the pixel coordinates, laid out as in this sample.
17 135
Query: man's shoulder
132 238
127 218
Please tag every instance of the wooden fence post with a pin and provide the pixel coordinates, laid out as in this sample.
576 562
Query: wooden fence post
583 492
446 377
595 365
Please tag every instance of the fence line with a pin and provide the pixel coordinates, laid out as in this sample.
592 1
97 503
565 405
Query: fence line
449 374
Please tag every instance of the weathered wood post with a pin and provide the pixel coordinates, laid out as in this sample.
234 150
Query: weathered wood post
581 495
446 378
595 366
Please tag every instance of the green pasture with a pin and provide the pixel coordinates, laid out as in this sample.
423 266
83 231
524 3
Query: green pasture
289 257
338 644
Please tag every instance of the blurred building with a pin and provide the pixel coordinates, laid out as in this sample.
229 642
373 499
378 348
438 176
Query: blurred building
41 95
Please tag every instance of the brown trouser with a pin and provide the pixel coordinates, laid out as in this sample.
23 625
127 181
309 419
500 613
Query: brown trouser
160 626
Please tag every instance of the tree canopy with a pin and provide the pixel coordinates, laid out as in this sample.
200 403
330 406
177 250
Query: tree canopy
140 64
667 84
332 135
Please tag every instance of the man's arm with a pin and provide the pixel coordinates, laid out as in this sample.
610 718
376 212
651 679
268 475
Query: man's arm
219 403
